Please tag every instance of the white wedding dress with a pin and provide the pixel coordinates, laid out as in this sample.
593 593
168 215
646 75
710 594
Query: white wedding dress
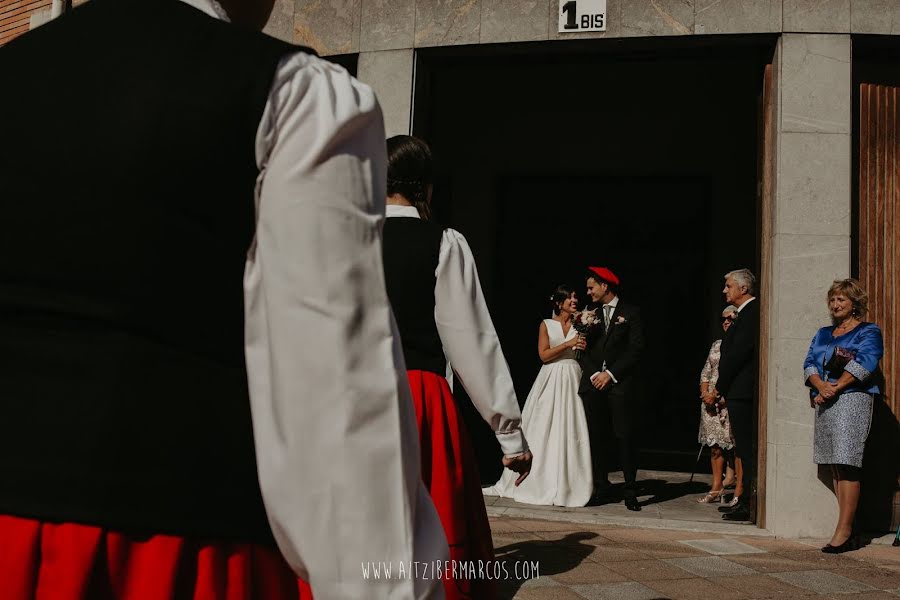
554 424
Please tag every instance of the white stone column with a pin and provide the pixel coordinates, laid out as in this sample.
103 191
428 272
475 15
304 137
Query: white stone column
811 247
390 73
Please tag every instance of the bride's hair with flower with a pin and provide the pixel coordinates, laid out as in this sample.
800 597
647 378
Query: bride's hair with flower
410 171
560 295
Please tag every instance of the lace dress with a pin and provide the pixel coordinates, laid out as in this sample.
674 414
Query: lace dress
715 429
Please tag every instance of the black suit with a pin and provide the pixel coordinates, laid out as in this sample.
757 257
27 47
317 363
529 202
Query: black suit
610 413
738 383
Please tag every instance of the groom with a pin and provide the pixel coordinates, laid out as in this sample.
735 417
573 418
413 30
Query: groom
608 361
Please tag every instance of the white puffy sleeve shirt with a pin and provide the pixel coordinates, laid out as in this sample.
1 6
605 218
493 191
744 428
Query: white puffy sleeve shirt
334 425
469 338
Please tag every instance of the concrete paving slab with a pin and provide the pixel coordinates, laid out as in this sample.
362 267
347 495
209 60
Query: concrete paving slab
665 549
709 566
616 591
648 570
877 595
556 593
822 582
880 579
540 582
692 589
627 519
723 546
759 586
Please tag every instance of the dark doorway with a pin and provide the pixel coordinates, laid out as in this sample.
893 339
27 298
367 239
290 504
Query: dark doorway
639 155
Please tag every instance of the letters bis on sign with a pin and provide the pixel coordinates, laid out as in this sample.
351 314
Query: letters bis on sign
582 15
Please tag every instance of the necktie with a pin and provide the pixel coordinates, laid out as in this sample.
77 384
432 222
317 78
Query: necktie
607 310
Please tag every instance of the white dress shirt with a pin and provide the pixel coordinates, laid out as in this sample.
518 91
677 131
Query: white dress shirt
469 338
335 430
612 304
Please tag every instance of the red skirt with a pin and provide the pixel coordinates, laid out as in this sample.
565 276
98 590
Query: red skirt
451 475
67 561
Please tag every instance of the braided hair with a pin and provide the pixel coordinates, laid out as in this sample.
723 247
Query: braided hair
409 171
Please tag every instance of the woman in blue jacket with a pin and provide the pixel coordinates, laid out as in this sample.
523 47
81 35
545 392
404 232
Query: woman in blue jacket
841 369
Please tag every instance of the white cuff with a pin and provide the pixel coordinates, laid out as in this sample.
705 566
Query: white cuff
594 375
512 442
611 376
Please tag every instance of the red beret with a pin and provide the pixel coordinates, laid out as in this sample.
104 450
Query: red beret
605 274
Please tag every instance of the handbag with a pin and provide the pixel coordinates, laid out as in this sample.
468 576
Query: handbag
839 359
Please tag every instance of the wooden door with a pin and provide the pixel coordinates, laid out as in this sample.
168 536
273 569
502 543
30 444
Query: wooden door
879 262
766 169
15 17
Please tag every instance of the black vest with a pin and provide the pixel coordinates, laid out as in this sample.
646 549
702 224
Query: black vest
411 251
126 212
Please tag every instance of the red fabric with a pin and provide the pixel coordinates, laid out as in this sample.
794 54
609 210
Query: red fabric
67 561
605 274
451 475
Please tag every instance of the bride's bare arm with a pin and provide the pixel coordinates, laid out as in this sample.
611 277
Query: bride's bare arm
547 353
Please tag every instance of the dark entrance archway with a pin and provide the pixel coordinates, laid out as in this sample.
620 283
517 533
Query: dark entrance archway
637 154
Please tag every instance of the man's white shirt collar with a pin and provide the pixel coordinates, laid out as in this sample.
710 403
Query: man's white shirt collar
741 307
614 302
399 210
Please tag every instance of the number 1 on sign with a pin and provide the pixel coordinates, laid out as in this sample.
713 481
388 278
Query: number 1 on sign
571 10
582 15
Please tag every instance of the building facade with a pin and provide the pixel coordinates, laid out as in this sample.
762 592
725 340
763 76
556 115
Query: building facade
809 231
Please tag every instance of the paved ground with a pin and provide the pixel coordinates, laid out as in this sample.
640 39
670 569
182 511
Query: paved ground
611 562
675 549
667 499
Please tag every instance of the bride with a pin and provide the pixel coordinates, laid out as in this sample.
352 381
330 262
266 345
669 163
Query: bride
553 419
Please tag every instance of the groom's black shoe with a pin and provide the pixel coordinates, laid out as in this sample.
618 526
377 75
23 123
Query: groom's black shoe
740 512
603 494
631 503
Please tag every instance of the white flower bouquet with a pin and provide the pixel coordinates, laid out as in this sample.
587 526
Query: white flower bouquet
584 322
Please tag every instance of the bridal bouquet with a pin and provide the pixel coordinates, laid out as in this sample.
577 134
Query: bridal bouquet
584 322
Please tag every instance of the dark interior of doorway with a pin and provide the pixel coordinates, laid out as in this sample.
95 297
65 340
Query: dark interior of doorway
638 154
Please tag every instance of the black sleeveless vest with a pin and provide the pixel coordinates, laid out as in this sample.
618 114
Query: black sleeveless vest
126 212
411 252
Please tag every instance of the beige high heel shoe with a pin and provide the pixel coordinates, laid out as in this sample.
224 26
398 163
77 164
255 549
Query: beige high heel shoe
712 496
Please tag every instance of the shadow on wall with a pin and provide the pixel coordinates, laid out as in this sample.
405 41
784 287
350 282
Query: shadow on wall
881 466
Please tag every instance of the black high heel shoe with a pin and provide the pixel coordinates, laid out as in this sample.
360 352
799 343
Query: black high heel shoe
850 544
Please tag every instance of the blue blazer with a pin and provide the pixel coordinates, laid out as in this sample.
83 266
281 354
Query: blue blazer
864 341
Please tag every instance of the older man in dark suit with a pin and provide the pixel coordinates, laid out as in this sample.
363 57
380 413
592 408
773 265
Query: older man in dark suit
738 381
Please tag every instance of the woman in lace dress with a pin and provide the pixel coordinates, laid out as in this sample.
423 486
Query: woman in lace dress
553 419
715 429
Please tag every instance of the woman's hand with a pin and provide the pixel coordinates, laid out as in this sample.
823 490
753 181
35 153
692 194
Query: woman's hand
520 463
580 342
818 400
828 391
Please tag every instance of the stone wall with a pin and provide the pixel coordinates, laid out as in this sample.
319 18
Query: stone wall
811 247
350 26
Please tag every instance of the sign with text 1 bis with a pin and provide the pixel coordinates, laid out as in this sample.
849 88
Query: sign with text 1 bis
582 15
